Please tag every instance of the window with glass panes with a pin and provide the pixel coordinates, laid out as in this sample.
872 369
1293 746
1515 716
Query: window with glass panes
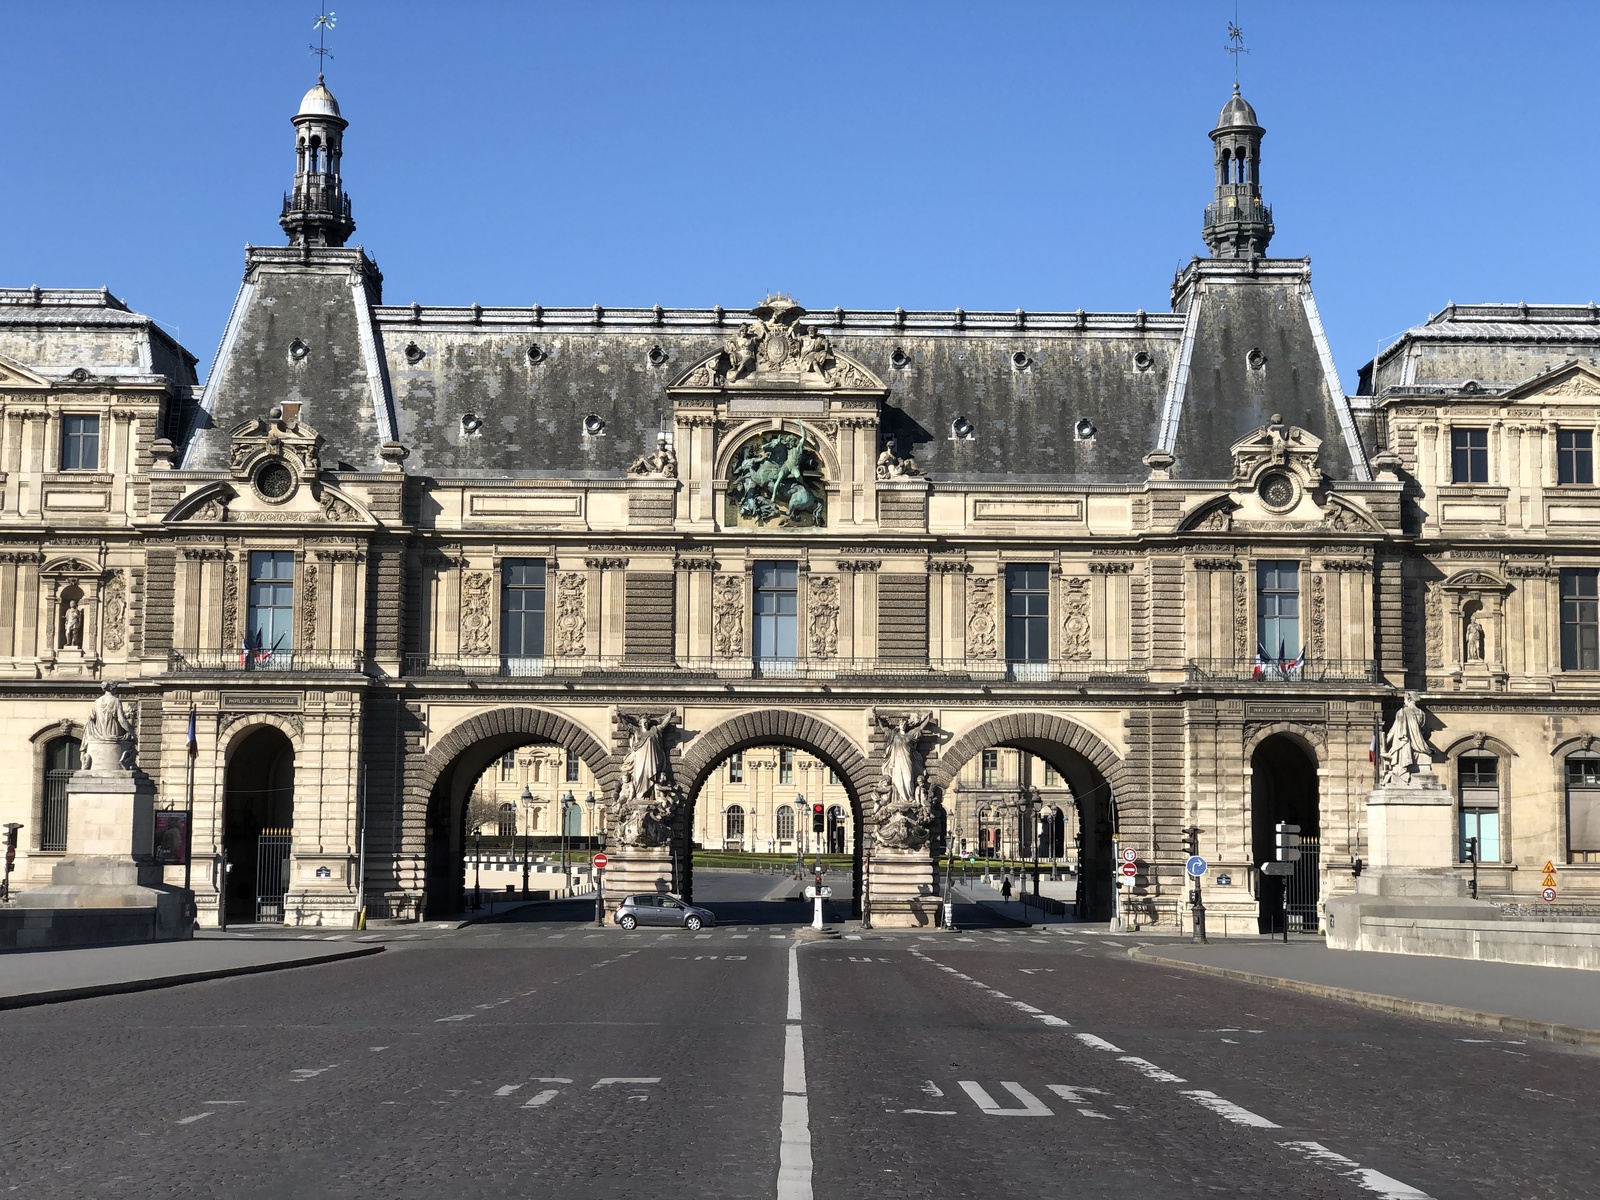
736 767
1583 808
522 607
1469 456
508 820
1574 456
80 442
785 823
735 821
1278 609
785 765
508 766
572 766
1580 619
1479 781
1027 612
777 610
991 768
270 616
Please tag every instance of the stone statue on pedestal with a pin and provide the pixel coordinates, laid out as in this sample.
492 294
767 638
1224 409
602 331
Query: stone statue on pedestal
1474 638
648 800
903 813
72 626
1406 748
109 737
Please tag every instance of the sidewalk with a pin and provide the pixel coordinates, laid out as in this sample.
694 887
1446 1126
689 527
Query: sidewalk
29 977
1555 1003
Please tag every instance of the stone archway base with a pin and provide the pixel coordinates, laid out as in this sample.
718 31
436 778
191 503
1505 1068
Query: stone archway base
900 890
633 869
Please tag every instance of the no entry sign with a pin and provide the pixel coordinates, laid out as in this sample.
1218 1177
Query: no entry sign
1130 869
600 861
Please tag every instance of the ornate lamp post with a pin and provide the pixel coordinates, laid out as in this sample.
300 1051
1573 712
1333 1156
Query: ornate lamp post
566 870
527 820
477 865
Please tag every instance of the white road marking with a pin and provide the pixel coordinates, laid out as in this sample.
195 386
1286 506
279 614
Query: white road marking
608 1080
376 1049
1149 1070
794 1131
305 1073
540 1099
1097 1043
224 1101
457 1017
1372 1181
1230 1111
1031 1105
1050 1020
196 1117
1027 1008
933 1089
927 1112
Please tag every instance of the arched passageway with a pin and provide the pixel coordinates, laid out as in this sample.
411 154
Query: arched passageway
1283 788
258 825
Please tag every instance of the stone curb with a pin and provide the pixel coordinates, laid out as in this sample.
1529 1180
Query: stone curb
32 999
1427 1010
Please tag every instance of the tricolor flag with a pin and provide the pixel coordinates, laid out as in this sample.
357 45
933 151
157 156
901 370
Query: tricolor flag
1372 750
1260 669
194 745
1292 667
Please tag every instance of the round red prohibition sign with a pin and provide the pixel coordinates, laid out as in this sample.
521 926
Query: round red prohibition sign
600 861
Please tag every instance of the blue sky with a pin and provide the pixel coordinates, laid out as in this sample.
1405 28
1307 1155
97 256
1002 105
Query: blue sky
1000 154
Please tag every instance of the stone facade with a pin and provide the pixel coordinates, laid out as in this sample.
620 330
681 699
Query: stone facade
1161 553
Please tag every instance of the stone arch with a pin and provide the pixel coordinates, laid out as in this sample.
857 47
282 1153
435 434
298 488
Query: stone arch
236 729
1476 743
1313 739
1036 727
775 726
827 453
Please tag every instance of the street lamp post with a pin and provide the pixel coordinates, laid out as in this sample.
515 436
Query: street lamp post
1055 833
566 869
597 838
527 819
802 822
477 866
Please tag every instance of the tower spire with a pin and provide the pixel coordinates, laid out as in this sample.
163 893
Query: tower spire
1238 224
317 212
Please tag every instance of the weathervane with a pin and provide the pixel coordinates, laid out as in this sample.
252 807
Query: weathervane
325 22
1236 44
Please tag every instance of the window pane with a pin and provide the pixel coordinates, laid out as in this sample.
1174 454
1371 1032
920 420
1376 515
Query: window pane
80 442
1027 612
1469 455
572 766
1574 456
1580 619
522 608
270 619
777 606
1278 608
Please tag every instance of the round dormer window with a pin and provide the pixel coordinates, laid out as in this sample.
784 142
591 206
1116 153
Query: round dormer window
274 481
1278 491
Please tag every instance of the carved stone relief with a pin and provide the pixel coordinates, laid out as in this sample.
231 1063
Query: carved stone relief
230 605
823 601
980 617
776 347
308 607
571 614
1433 624
1241 616
476 620
1319 615
114 613
1075 623
727 615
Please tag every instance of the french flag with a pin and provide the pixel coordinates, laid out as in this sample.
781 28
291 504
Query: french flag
1372 750
1295 663
194 744
1260 670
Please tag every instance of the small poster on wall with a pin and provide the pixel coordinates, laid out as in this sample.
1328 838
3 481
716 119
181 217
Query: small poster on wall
172 838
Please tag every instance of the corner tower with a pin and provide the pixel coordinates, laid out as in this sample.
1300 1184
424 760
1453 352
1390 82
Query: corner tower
1238 224
317 212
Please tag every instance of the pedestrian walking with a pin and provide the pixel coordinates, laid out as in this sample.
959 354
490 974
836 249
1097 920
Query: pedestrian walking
1005 889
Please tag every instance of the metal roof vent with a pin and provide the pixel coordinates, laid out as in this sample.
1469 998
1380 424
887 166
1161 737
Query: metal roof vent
1084 430
1142 361
299 351
471 423
962 430
1020 360
899 360
658 356
594 425
536 354
414 353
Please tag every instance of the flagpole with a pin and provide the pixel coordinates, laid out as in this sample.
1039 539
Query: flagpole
188 805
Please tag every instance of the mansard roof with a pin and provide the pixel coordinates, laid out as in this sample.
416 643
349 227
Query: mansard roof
56 331
1495 346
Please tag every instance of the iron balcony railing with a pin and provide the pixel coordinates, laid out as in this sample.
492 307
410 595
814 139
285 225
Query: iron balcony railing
274 661
508 667
1282 674
1240 210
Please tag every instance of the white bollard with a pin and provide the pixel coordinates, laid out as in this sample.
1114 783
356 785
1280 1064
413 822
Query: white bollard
816 912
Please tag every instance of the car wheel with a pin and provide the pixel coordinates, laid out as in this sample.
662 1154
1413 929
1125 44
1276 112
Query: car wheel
692 923
627 922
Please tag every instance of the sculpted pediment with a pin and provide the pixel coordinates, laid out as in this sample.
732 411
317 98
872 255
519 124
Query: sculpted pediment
1572 380
776 350
15 376
1475 579
274 436
316 502
1276 444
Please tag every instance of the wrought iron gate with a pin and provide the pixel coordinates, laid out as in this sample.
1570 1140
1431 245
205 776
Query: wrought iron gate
272 875
1305 887
53 834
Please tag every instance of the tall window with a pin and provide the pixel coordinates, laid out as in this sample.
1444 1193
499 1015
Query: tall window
1052 777
777 609
522 608
80 442
735 822
1479 779
1278 609
1027 613
1574 456
271 603
991 768
1469 456
508 766
785 825
508 820
785 765
736 767
833 777
572 766
60 761
1583 808
1580 619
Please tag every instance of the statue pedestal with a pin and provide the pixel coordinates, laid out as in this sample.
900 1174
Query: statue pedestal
1412 825
631 869
901 892
109 886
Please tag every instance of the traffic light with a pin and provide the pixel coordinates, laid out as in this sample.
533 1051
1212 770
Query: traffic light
1191 840
1288 842
816 818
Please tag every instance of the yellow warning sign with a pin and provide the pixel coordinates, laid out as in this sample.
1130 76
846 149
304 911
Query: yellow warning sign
1549 880
1549 866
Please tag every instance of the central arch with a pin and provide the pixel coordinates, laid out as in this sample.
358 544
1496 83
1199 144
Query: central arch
1093 771
771 727
436 796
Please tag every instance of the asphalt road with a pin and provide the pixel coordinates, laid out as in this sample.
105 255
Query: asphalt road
542 1058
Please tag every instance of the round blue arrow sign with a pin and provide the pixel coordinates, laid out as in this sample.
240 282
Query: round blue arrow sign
1196 866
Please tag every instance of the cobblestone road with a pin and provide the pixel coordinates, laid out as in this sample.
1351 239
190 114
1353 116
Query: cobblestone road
543 1058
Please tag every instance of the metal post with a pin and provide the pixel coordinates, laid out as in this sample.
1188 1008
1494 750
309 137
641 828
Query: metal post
527 817
477 867
1472 849
11 828
1285 879
1034 802
600 899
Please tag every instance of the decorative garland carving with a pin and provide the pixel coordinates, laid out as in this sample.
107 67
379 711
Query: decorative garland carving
572 616
1319 615
980 617
824 604
727 615
308 608
230 605
476 619
114 613
1075 624
1433 626
1241 616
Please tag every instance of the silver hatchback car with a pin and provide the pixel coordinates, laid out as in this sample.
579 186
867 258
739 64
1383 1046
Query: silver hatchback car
662 910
